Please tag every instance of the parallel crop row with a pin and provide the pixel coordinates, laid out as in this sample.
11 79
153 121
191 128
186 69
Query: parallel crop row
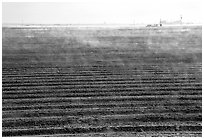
115 82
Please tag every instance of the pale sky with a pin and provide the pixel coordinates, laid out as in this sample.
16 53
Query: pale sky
121 12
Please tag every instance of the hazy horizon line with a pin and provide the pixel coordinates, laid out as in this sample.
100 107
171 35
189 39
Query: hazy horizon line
94 23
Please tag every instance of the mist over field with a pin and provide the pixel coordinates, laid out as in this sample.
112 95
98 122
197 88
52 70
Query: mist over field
111 68
64 81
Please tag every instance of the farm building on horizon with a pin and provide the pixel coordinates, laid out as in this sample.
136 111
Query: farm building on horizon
166 22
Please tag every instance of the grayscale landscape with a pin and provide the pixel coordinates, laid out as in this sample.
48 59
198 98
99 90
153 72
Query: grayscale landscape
69 80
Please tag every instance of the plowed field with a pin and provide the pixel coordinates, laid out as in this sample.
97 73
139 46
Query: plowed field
102 82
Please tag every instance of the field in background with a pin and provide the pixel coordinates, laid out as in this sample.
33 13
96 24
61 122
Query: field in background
102 82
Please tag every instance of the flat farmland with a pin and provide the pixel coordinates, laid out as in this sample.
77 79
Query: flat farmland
64 81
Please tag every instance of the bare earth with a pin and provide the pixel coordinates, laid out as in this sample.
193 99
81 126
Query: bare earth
102 82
